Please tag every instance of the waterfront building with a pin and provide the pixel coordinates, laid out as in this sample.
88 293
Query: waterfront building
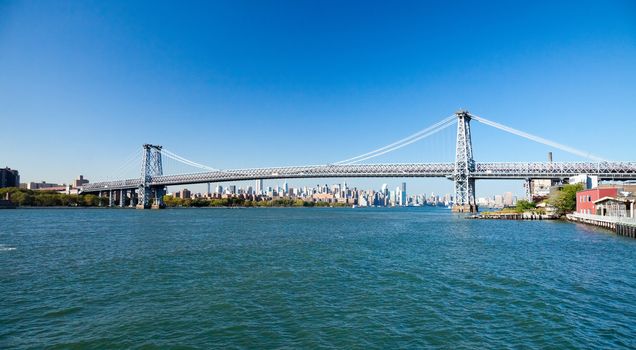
9 178
585 199
615 207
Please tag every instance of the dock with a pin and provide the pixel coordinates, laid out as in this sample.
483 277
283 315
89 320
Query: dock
622 226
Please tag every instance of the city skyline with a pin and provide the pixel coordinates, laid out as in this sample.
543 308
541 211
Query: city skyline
340 192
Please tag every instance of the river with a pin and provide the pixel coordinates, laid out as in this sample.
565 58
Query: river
310 278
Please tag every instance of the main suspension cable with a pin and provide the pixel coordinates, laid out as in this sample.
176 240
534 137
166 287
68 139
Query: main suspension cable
180 159
401 143
538 139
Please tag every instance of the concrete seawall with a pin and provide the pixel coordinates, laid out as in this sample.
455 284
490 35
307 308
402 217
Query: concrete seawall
621 226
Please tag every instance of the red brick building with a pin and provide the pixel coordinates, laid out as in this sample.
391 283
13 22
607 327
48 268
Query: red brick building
585 199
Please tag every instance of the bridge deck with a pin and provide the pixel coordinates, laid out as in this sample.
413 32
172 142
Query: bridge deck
604 170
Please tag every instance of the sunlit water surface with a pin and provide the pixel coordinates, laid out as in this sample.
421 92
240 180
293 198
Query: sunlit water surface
309 278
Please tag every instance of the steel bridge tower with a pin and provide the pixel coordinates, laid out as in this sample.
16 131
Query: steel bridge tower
151 165
464 166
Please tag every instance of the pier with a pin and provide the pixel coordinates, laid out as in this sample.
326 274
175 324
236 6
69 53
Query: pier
622 226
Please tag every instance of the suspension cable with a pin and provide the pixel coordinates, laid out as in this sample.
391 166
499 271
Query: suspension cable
183 160
538 139
121 170
401 143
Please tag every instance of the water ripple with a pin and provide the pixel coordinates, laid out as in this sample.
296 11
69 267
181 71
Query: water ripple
310 278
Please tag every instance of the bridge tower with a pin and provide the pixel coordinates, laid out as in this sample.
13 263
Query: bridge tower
151 165
464 166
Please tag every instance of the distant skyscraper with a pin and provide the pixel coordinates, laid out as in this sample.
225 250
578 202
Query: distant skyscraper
507 199
498 200
285 188
403 201
259 187
385 195
397 197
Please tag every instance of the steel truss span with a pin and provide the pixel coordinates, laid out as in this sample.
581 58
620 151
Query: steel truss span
555 170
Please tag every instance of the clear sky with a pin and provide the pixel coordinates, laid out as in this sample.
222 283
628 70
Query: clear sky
246 84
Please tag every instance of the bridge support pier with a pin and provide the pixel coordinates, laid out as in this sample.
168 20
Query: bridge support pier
100 199
528 187
466 208
464 167
145 194
122 198
151 198
111 200
151 165
132 199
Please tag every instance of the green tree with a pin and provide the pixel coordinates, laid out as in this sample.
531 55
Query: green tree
524 205
103 201
90 200
565 199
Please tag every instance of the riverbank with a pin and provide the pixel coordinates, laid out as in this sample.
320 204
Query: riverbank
4 204
513 216
620 225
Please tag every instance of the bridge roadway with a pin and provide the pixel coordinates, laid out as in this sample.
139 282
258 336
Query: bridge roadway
539 170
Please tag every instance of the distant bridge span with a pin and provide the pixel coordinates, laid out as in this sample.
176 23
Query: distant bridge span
506 171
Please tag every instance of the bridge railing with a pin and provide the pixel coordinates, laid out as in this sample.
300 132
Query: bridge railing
106 185
609 219
375 170
603 169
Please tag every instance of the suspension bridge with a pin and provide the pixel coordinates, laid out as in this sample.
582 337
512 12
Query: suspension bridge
147 191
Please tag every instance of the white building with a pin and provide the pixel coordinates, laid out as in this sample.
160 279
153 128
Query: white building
589 182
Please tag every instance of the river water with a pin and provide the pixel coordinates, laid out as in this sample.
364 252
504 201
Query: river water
310 278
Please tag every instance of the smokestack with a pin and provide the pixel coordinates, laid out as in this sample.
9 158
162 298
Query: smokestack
550 157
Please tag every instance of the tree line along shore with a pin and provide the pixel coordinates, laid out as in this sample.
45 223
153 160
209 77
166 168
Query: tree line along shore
29 198
560 202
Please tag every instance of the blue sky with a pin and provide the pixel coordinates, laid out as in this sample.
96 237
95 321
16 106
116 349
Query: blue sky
246 84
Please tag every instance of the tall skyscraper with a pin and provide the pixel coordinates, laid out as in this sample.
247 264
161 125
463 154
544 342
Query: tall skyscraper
507 199
259 187
403 201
